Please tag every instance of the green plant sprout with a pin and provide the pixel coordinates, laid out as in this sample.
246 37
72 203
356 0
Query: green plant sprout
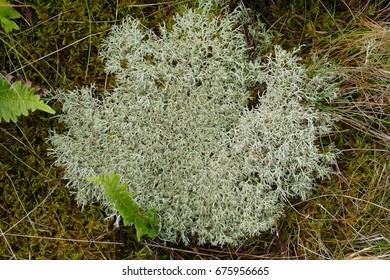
7 13
145 222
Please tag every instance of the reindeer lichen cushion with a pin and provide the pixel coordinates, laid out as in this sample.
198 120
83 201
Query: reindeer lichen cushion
179 131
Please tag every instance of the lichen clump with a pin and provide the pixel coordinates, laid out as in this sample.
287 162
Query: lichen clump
178 130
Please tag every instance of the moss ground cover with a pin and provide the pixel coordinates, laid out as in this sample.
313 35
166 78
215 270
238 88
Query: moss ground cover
347 218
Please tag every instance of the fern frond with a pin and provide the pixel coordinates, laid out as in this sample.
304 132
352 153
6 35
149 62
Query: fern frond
7 13
144 222
17 99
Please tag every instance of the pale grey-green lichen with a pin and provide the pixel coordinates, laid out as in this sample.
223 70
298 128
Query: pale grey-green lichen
178 130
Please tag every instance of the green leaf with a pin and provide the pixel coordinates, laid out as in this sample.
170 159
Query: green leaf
17 99
144 222
6 14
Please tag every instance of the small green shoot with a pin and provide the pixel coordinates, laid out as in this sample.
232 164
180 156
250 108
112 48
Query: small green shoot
7 13
144 222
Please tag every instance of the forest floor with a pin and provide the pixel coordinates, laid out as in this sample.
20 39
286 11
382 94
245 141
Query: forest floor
348 216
